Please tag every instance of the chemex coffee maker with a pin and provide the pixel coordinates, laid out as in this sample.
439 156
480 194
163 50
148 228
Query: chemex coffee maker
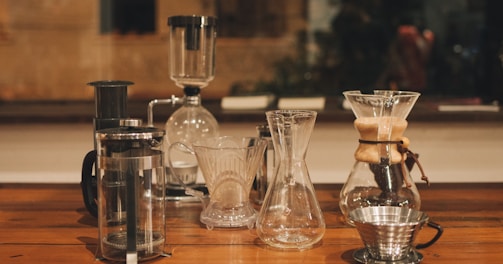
380 175
380 198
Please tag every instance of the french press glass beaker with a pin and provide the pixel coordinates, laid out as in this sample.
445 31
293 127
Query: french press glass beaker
131 193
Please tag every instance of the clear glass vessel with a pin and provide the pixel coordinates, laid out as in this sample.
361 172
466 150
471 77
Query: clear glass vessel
192 67
192 50
290 217
191 122
229 165
380 175
187 124
131 196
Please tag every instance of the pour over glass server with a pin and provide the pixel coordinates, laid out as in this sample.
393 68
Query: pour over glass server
290 216
381 173
192 67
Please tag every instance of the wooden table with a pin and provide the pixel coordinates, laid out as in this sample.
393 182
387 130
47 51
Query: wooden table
49 224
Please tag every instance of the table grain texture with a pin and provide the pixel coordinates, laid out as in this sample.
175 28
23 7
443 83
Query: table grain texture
48 223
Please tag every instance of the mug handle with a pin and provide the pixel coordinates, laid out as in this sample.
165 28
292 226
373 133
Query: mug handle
440 231
188 190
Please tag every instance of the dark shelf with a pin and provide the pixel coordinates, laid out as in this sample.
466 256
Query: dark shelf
83 112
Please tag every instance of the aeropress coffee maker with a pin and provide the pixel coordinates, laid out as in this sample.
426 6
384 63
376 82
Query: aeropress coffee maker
130 180
110 100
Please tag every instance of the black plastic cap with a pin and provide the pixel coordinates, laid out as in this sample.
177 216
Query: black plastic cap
184 21
191 90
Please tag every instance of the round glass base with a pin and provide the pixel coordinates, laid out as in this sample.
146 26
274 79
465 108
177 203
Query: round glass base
244 216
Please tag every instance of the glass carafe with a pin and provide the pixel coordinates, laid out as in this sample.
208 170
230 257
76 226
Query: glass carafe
290 217
380 176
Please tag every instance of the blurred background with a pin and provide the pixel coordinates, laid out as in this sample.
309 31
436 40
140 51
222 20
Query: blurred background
50 49
446 49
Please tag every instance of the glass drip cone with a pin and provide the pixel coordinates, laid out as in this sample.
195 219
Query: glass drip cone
229 165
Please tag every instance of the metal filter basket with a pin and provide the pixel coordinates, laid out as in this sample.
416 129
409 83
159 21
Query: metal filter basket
388 232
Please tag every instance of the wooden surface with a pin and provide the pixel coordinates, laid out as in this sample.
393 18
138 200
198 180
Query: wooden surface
49 224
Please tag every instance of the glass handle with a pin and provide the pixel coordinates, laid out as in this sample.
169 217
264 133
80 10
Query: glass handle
188 190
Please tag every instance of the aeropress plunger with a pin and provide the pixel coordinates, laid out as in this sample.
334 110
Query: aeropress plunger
110 97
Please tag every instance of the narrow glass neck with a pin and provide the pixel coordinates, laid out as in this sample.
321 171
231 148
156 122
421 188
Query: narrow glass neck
192 100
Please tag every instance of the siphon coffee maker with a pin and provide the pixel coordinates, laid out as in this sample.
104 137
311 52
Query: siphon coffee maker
192 67
131 192
380 175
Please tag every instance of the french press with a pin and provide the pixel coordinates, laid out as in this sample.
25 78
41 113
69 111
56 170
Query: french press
131 192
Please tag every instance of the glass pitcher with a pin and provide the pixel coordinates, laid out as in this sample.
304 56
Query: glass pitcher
380 175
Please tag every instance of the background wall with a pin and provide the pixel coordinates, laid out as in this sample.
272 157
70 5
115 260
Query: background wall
50 49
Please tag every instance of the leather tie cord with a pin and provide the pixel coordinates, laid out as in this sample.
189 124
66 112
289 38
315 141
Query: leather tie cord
406 154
